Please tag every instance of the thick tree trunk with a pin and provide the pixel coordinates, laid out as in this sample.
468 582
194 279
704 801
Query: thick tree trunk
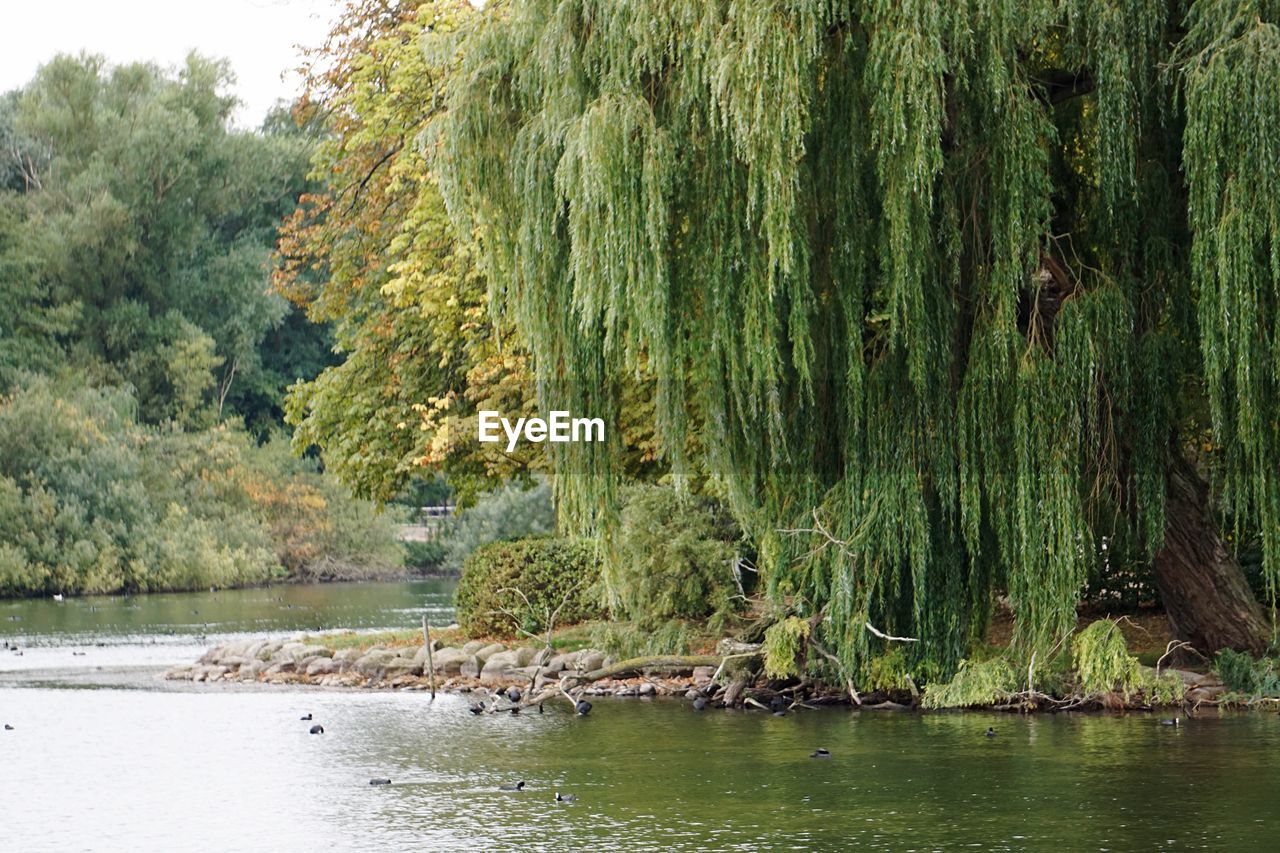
1206 596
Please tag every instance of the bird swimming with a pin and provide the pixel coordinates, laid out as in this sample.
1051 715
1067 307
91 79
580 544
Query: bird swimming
305 716
476 708
990 732
1170 722
57 596
379 781
518 786
583 707
566 798
317 729
8 728
820 752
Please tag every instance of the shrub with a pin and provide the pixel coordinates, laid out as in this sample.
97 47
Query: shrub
93 502
1248 676
974 684
1103 662
676 557
782 645
549 573
424 557
511 512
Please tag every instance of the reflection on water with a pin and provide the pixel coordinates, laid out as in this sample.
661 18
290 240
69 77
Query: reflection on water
176 766
116 769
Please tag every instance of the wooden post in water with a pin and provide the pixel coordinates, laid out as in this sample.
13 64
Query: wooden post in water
431 667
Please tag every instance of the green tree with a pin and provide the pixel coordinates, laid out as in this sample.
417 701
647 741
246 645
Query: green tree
135 235
927 274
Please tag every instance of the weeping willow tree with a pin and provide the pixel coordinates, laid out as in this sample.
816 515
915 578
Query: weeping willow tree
957 297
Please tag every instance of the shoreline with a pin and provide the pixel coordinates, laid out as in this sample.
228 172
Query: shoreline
490 669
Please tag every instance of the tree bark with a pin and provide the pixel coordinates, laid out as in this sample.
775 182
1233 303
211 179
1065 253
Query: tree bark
1206 597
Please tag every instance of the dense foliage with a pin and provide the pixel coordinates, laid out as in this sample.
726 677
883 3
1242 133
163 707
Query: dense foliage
511 512
138 337
924 279
520 585
135 235
373 251
677 557
93 502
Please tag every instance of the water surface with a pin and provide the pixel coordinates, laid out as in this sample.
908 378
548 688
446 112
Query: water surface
224 768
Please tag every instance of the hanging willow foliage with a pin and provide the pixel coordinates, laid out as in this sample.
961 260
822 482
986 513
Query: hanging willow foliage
916 270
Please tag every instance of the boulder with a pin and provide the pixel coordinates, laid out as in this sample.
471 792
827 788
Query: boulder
470 667
489 651
498 667
344 658
474 646
449 661
375 661
590 660
399 667
267 651
647 689
525 655
321 666
703 674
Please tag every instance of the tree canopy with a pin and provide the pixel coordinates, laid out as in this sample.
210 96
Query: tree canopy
135 235
948 292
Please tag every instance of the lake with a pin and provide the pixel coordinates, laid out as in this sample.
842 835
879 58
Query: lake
105 756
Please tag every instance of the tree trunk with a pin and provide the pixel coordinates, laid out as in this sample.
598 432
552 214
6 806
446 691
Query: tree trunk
1205 594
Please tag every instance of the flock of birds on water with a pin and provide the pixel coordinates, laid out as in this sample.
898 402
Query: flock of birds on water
778 706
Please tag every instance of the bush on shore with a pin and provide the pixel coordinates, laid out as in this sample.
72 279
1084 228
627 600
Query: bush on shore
528 579
93 502
676 557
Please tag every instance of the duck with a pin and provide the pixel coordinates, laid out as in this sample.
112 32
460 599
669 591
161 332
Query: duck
1174 721
8 728
515 786
566 798
990 732
820 752
700 704
583 707
379 781
305 716
317 729
57 596
476 708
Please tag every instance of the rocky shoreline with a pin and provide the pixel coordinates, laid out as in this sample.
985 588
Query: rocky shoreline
474 665
541 674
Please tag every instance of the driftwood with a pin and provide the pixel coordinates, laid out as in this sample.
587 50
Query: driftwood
431 666
635 665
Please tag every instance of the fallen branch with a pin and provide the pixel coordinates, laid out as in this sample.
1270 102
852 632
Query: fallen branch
715 677
635 665
853 692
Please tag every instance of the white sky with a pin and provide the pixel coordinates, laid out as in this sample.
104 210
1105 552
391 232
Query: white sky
259 37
